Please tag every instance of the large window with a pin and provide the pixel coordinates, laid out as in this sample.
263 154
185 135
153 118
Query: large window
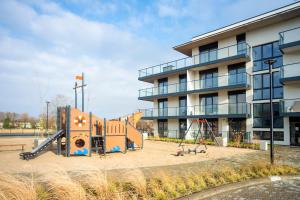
237 74
182 106
162 107
265 52
237 102
261 86
241 44
208 52
208 79
162 127
209 104
182 82
261 115
265 135
163 86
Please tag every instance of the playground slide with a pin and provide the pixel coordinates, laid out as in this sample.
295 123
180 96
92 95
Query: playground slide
134 135
35 152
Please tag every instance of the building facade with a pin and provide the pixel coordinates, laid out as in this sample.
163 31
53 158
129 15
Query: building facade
225 80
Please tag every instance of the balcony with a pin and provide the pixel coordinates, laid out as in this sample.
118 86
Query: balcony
289 40
290 73
226 82
290 107
237 110
227 55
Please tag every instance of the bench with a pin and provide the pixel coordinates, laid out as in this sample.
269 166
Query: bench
13 145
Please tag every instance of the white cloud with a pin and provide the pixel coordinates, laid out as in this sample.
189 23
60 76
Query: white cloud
40 60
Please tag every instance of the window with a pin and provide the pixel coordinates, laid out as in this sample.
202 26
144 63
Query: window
182 106
209 104
182 127
163 86
241 44
237 103
208 52
208 79
261 86
237 74
162 127
182 83
265 135
265 52
162 107
261 115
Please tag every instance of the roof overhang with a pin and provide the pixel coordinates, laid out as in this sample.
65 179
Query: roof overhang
272 17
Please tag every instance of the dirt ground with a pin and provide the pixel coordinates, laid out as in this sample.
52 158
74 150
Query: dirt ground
154 154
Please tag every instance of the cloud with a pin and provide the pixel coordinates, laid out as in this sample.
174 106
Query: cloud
40 60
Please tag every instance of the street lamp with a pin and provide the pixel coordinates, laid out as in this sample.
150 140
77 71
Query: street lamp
47 102
270 62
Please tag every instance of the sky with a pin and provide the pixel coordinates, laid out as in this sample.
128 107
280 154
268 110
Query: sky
44 44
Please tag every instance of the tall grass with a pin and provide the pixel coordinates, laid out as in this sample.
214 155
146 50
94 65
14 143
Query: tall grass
131 184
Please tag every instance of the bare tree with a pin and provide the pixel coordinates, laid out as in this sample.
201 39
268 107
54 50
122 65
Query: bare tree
24 118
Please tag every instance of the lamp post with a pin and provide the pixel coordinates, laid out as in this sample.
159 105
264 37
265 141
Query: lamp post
270 62
47 102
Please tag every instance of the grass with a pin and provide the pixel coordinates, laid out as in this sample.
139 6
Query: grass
132 185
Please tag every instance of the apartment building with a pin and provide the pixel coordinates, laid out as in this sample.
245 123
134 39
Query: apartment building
225 79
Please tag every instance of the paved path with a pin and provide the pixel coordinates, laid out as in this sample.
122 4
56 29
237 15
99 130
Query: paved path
275 188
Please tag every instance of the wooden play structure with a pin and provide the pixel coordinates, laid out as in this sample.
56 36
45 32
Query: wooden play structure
80 134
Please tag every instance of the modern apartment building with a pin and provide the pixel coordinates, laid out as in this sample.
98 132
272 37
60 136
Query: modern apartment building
225 80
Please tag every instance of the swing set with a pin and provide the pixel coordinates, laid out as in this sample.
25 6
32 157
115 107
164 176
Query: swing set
198 138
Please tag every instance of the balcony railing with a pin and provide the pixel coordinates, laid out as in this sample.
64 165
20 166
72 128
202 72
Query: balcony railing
231 135
289 36
290 71
199 110
203 57
220 81
290 107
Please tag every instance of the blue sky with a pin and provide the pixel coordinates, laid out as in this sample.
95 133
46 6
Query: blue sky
44 44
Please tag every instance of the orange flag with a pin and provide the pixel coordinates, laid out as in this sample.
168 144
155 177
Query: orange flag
78 77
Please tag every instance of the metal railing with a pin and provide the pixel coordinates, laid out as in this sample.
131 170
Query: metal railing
199 110
289 106
289 36
170 134
219 81
203 57
290 70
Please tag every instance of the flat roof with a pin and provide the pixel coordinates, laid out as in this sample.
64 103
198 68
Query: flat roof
267 18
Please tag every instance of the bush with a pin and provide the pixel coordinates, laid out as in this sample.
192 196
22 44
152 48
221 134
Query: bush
175 140
244 145
95 185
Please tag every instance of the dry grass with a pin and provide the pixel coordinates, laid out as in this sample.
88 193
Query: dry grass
131 184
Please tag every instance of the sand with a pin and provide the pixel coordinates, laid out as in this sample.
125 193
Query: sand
154 154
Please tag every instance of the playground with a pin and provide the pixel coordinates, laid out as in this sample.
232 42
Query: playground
153 154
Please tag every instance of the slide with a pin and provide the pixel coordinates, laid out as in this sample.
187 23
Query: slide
134 136
41 147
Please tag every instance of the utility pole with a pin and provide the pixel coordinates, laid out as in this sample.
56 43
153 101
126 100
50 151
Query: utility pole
270 62
47 117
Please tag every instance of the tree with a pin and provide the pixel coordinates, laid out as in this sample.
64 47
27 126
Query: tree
32 122
6 122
